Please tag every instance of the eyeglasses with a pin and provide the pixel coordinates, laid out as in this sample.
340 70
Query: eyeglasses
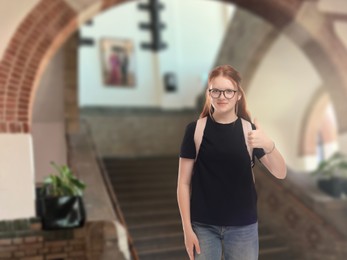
228 93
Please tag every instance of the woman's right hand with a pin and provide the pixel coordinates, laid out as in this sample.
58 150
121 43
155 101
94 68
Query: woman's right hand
191 241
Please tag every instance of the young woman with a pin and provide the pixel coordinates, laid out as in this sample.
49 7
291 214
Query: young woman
216 192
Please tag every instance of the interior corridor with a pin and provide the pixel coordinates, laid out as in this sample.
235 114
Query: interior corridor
107 87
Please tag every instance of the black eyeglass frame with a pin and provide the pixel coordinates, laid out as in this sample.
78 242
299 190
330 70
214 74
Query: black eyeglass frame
220 92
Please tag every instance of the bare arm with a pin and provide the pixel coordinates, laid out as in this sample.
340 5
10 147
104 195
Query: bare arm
275 163
185 172
273 159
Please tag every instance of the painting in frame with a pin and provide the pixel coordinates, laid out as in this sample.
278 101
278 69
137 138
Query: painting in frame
117 57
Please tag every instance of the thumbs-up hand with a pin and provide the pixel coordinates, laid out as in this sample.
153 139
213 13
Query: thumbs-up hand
258 139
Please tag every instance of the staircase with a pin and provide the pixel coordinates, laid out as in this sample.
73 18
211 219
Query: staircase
146 190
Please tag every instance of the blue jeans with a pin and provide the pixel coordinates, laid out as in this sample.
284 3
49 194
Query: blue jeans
231 242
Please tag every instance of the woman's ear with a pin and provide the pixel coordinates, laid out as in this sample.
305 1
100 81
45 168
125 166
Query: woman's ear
239 97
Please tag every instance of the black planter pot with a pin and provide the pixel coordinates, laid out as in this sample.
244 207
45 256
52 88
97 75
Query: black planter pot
62 212
334 186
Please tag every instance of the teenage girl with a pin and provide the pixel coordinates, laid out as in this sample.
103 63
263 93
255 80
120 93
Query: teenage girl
216 192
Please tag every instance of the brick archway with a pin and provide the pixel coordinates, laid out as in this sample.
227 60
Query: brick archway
50 23
34 43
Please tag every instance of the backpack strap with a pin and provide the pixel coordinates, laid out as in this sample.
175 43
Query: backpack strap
198 134
247 127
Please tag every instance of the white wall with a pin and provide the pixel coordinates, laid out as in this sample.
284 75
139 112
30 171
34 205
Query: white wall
192 48
17 187
279 95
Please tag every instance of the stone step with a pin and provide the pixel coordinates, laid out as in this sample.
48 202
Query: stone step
131 160
153 165
147 195
141 164
134 207
148 177
155 229
150 217
136 187
154 212
172 253
142 173
161 241
145 168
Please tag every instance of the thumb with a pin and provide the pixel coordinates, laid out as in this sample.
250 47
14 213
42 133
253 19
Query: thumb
256 123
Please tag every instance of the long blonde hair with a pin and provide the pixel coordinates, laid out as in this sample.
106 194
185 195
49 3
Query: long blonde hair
234 76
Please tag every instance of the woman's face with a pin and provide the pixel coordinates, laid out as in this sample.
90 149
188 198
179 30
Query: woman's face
223 102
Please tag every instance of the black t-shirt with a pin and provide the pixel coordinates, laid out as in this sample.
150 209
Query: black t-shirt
223 191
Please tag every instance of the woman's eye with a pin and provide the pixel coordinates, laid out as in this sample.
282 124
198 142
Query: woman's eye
228 91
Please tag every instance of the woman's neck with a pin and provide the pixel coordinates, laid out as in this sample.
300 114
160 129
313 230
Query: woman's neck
224 118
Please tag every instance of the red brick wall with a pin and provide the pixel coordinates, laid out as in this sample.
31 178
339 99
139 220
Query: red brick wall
31 46
24 239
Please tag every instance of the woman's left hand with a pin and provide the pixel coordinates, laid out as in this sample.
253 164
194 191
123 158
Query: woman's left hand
258 139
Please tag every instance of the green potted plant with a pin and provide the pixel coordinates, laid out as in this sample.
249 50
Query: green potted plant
332 173
61 204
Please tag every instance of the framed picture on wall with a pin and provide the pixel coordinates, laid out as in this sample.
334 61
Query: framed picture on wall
117 59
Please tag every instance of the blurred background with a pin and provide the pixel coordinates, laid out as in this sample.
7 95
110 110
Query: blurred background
108 87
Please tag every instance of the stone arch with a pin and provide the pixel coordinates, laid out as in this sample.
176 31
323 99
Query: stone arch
312 31
319 131
50 23
311 121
